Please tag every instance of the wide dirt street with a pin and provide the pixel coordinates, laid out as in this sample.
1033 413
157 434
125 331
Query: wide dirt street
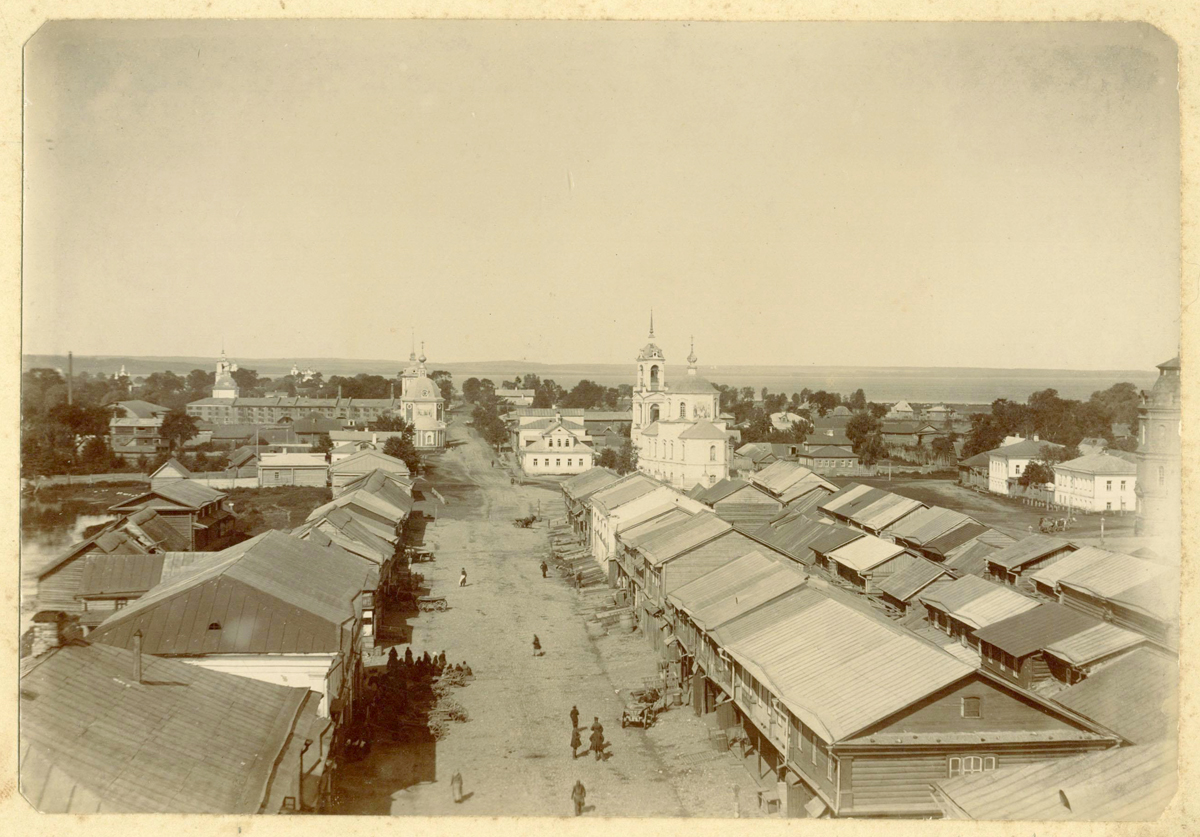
514 751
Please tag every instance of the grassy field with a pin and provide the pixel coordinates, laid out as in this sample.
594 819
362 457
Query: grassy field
260 509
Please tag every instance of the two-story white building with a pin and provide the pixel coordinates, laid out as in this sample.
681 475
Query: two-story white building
626 502
1007 462
1097 482
558 448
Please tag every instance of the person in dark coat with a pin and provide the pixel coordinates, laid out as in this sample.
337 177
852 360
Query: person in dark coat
393 661
597 742
574 717
576 742
537 646
596 725
466 669
545 567
408 657
579 579
578 795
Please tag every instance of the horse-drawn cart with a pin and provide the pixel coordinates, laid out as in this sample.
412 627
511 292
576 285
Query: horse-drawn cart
430 603
641 707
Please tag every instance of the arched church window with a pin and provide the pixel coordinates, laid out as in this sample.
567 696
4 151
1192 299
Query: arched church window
712 454
683 410
671 450
654 376
654 413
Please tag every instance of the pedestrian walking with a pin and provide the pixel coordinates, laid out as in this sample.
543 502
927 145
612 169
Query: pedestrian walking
579 579
596 725
408 657
545 567
576 742
462 579
597 742
578 795
537 646
456 786
574 717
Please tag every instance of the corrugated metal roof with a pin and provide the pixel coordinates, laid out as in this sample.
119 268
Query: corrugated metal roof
799 535
943 544
999 604
1025 449
1035 629
636 534
1068 564
1113 575
886 511
912 578
808 498
958 593
929 526
1135 696
811 484
846 495
1119 784
735 588
668 543
969 558
112 575
721 490
779 476
186 493
748 516
270 594
840 670
157 531
1027 550
184 740
366 461
624 491
1098 464
582 486
1158 597
1095 643
860 502
866 553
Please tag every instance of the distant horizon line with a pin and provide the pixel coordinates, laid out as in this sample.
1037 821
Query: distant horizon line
577 364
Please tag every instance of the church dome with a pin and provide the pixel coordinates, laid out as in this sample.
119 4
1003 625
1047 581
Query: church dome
422 389
650 352
693 385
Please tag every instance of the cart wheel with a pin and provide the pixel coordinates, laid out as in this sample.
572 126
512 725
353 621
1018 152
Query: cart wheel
442 606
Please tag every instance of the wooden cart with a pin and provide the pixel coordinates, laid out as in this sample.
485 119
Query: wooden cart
431 603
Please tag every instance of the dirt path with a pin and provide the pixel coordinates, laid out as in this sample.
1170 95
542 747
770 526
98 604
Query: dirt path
514 751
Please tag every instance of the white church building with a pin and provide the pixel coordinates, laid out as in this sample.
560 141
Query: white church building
676 430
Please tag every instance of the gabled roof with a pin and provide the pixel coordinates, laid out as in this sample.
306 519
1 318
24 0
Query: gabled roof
1068 564
1135 696
805 660
1113 575
925 524
687 534
851 498
368 460
582 486
780 476
1093 644
979 460
142 409
721 490
884 511
185 494
270 594
946 543
1000 603
1034 629
798 536
960 592
624 490
1027 550
865 553
1119 784
914 575
183 740
155 532
735 588
829 452
1158 597
172 466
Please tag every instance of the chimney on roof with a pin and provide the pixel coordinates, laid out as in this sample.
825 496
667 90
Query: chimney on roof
137 656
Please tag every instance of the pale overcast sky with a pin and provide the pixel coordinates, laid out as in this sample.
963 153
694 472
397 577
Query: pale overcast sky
864 194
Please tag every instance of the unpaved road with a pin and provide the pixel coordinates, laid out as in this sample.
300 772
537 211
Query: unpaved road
514 751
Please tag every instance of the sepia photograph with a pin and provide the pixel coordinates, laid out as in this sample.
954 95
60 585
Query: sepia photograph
601 419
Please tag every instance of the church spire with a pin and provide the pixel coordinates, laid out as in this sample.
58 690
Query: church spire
422 358
691 358
651 323
413 354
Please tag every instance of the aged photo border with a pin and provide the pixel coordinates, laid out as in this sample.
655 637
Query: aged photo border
20 20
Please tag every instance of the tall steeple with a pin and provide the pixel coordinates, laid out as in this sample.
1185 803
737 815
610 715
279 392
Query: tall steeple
691 358
422 357
413 354
651 323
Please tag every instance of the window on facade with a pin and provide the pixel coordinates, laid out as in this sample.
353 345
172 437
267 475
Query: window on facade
1108 485
712 479
535 460
972 707
712 454
966 765
1108 506
558 462
829 767
1122 485
120 603
683 410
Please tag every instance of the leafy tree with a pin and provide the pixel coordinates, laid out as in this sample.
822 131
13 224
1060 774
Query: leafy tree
877 410
246 379
403 447
872 449
586 394
445 383
824 401
627 459
1120 402
857 401
943 448
608 459
165 388
198 384
1036 473
387 424
860 427
322 443
177 428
